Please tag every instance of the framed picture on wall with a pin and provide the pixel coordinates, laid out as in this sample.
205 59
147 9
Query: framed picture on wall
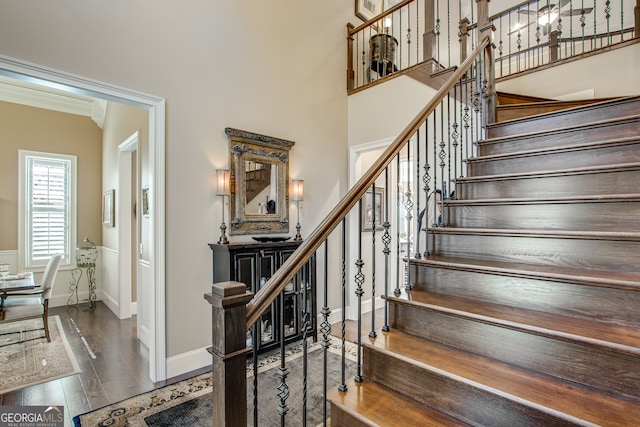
373 204
368 9
108 208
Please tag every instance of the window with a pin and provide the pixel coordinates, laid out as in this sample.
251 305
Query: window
47 208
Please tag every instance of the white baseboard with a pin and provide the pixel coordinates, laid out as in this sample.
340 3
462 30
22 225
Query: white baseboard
134 308
109 302
187 362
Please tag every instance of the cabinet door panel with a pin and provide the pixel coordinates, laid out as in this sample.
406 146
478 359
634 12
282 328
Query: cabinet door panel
245 266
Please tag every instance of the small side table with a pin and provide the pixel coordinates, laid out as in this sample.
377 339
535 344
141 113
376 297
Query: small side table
76 275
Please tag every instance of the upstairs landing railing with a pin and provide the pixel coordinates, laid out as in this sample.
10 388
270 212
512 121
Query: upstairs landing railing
437 34
426 155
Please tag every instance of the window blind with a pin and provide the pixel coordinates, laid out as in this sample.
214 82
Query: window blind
49 208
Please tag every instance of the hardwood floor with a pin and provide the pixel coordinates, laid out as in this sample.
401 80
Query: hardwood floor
115 365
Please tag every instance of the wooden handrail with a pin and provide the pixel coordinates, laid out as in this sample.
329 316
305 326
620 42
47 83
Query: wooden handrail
276 284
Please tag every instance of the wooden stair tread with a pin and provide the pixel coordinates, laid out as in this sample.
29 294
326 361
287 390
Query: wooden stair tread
376 405
599 198
616 279
615 337
551 173
549 233
527 109
565 129
506 98
561 149
574 403
554 102
591 106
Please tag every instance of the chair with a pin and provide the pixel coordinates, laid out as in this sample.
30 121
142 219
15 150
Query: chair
28 306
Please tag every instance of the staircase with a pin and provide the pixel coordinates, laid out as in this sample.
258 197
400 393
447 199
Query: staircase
527 311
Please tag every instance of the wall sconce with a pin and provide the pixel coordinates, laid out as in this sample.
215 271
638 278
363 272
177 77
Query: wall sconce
223 179
297 195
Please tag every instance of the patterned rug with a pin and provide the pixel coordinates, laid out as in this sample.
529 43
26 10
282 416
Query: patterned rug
189 402
34 362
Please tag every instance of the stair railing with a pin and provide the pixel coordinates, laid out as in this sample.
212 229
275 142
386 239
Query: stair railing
541 32
411 33
436 35
437 141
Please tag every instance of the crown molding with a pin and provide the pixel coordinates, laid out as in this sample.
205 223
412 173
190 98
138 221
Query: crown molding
20 92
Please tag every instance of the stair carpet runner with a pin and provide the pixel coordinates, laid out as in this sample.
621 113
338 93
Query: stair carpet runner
527 312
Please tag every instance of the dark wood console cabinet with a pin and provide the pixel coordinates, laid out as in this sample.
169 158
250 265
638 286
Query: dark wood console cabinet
253 264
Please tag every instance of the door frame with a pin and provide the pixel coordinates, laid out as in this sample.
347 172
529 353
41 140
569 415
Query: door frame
21 70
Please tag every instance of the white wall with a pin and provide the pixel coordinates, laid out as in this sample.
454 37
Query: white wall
614 73
276 68
382 111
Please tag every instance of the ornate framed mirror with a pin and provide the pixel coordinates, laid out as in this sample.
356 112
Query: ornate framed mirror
259 183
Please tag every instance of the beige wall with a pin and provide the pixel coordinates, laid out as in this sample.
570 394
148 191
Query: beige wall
120 122
37 129
275 68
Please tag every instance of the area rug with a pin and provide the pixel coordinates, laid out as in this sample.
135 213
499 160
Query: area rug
34 362
189 402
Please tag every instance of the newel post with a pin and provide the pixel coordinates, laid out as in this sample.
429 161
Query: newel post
485 27
229 350
429 37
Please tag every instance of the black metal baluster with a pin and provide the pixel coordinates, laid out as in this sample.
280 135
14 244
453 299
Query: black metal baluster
417 254
501 48
437 32
283 372
305 325
254 340
400 38
386 240
359 279
396 291
573 42
622 20
325 328
583 23
607 16
426 179
372 332
343 384
595 27
408 204
454 143
509 50
409 36
436 220
442 156
465 120
418 34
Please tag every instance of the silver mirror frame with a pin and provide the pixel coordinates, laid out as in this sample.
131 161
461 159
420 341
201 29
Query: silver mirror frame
244 146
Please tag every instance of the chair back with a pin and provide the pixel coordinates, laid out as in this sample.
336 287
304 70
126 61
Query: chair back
49 276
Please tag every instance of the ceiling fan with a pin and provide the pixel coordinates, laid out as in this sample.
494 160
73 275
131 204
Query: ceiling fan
548 13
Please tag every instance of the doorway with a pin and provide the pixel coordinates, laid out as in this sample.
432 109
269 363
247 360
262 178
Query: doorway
155 106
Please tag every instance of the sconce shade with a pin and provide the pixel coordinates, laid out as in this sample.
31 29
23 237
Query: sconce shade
223 179
297 190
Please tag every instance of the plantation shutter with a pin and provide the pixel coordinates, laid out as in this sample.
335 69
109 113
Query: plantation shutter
49 208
